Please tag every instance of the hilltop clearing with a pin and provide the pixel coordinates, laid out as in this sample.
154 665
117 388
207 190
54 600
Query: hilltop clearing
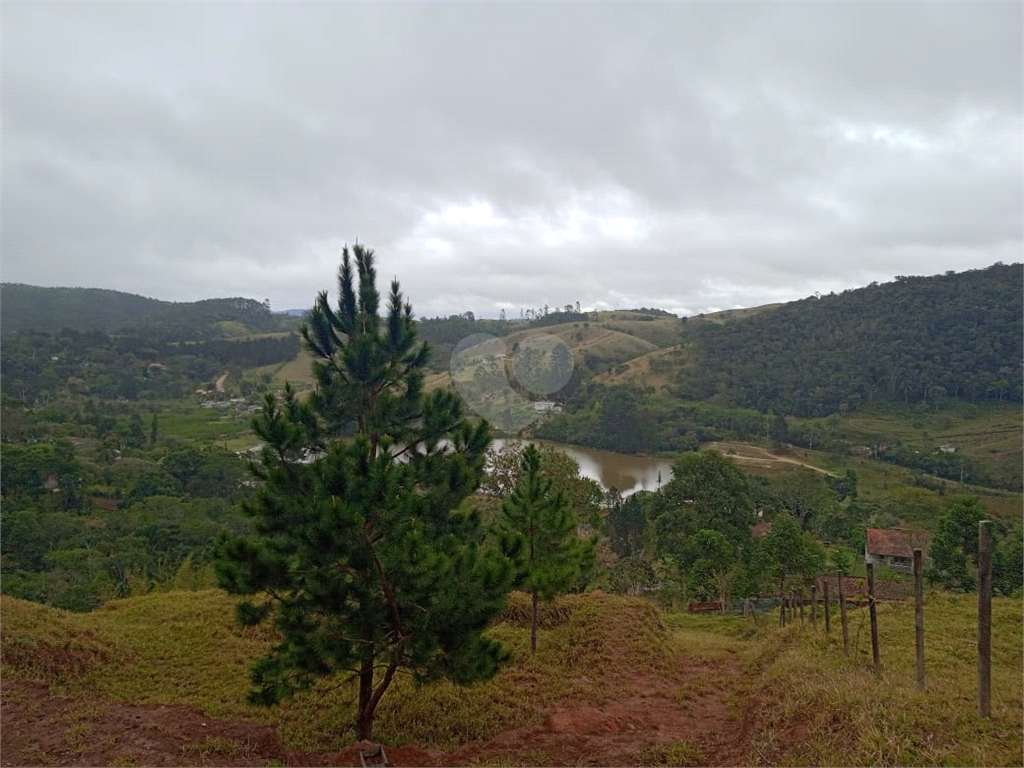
160 680
755 456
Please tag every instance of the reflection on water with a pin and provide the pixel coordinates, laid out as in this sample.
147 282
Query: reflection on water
627 474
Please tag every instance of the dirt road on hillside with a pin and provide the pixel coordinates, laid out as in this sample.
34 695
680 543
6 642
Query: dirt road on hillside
761 457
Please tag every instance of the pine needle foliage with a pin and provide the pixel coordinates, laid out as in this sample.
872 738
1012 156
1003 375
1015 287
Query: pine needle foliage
538 531
365 564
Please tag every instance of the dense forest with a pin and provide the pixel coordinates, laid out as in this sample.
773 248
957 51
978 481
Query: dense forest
115 510
65 342
37 368
923 339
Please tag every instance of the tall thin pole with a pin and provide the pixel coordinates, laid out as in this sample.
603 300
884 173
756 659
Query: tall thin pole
828 609
985 618
919 618
874 620
842 615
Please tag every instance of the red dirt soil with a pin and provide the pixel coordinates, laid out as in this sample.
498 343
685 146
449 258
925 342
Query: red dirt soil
700 708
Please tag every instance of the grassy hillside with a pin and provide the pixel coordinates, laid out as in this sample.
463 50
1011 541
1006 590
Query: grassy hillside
593 345
989 436
297 371
614 682
654 369
883 484
819 707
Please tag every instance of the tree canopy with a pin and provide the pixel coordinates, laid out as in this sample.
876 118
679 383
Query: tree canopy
538 531
366 564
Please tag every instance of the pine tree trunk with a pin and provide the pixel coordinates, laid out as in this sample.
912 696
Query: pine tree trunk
364 718
533 625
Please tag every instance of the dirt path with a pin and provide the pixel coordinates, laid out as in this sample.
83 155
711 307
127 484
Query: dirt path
752 454
692 718
40 729
648 721
220 383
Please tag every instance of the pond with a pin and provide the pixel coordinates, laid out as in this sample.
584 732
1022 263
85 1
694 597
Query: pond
628 474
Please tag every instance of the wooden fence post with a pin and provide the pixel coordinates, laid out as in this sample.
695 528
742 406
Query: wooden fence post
985 618
814 605
828 609
874 620
800 597
919 618
842 616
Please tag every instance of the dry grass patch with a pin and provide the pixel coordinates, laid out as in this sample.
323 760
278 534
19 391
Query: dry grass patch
820 707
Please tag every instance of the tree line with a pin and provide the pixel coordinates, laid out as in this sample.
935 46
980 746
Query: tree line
917 339
81 528
37 367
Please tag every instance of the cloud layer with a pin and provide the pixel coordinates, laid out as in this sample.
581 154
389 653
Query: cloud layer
691 156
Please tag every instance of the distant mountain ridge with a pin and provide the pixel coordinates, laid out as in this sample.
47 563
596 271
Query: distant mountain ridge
48 310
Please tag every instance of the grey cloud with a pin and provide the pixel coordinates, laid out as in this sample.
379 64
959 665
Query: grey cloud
688 154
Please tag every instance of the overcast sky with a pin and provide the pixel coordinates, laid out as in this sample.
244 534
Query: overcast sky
689 156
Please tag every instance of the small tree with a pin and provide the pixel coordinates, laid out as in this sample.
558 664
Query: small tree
791 553
537 530
715 565
954 550
366 563
505 470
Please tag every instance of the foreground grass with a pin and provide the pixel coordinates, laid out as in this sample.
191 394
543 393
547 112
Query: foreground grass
821 707
802 701
185 648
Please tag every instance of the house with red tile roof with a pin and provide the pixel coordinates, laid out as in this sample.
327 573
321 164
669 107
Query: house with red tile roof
894 547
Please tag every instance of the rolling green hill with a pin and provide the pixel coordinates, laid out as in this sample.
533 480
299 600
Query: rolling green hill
917 339
48 310
32 308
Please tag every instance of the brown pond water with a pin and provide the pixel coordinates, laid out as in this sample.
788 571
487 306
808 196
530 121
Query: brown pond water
628 474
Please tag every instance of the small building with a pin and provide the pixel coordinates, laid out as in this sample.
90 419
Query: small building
547 406
947 448
894 547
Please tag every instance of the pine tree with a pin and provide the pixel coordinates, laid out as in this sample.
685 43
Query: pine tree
366 562
537 529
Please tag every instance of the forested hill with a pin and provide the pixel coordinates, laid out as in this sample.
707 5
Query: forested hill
32 308
917 339
48 310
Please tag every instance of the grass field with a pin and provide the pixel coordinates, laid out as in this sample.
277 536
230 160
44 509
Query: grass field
205 424
662 332
727 690
825 708
990 434
876 480
590 340
297 371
